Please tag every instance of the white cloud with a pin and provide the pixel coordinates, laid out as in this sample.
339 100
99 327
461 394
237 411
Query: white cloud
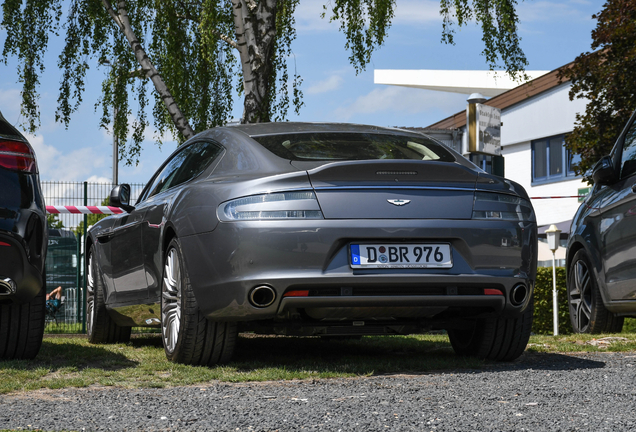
417 12
308 19
77 165
401 99
10 105
98 179
332 83
544 11
408 12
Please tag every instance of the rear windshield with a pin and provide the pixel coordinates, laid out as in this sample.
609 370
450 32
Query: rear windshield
8 131
353 146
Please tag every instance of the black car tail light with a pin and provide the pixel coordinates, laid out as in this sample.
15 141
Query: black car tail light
17 156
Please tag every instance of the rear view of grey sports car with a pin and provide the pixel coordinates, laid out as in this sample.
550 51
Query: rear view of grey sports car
315 230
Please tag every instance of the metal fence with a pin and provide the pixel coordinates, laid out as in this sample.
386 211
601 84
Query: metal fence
65 258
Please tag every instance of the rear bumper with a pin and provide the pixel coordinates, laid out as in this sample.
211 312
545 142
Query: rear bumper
226 264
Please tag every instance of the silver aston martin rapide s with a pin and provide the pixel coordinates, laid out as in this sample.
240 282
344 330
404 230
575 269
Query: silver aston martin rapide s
315 229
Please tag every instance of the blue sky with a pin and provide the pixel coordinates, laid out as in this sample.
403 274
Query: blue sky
553 33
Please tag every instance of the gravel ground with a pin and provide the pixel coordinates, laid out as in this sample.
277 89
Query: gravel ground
539 392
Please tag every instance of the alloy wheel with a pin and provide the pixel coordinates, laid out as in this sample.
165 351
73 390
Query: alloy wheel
171 301
581 296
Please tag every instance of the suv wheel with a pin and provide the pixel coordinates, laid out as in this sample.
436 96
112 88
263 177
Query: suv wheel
22 328
100 327
587 311
188 337
502 339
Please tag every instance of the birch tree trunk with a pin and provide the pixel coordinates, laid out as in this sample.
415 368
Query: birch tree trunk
121 19
255 27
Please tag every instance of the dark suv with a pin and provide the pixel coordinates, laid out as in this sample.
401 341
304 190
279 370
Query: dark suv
23 243
601 258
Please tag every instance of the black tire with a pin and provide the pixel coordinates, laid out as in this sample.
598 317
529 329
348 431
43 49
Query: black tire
587 311
500 339
188 337
100 327
22 328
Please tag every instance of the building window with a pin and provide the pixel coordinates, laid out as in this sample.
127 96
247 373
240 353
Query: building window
489 163
551 161
482 161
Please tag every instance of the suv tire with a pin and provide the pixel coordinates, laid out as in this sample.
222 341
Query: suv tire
22 328
587 311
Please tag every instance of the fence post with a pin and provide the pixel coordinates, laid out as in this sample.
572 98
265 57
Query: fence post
85 262
78 274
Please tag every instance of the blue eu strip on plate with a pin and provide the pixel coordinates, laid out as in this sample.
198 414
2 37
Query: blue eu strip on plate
355 254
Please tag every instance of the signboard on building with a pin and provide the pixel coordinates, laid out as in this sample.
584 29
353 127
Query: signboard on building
582 193
484 129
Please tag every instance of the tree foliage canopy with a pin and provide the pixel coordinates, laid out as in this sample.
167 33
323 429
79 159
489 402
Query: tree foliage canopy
196 52
607 78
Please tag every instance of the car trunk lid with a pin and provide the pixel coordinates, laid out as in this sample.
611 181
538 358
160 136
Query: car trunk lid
394 190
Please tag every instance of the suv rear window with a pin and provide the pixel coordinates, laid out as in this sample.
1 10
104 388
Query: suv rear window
353 146
8 131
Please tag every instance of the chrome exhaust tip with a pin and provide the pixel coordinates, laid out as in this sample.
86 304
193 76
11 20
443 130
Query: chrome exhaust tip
7 286
518 294
262 296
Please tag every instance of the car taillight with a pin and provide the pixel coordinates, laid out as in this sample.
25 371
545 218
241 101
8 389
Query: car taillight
17 156
277 205
495 206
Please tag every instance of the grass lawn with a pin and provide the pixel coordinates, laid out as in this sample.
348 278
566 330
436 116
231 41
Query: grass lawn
73 362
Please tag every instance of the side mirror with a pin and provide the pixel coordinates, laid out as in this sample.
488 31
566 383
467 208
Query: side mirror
120 197
603 172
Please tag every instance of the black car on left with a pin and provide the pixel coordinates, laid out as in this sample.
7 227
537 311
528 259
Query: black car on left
23 244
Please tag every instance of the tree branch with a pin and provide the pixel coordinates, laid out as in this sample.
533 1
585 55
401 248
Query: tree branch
188 16
121 19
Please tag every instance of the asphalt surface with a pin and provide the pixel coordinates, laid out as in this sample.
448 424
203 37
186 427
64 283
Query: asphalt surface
539 392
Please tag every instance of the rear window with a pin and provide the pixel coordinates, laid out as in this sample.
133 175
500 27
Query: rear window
8 131
353 146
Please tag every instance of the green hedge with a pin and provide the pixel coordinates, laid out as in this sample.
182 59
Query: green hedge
543 321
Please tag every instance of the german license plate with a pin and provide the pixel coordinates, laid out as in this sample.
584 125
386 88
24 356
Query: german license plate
429 255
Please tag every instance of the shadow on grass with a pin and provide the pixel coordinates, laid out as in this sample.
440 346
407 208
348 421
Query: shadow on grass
381 356
271 357
368 356
147 340
371 355
72 353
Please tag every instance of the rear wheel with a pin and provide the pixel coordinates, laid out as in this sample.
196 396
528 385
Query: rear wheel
501 339
188 337
100 327
22 328
587 311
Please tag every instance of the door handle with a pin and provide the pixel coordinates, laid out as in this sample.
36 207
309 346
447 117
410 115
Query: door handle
634 188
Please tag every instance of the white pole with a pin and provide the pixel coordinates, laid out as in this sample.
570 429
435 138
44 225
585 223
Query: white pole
555 303
115 150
